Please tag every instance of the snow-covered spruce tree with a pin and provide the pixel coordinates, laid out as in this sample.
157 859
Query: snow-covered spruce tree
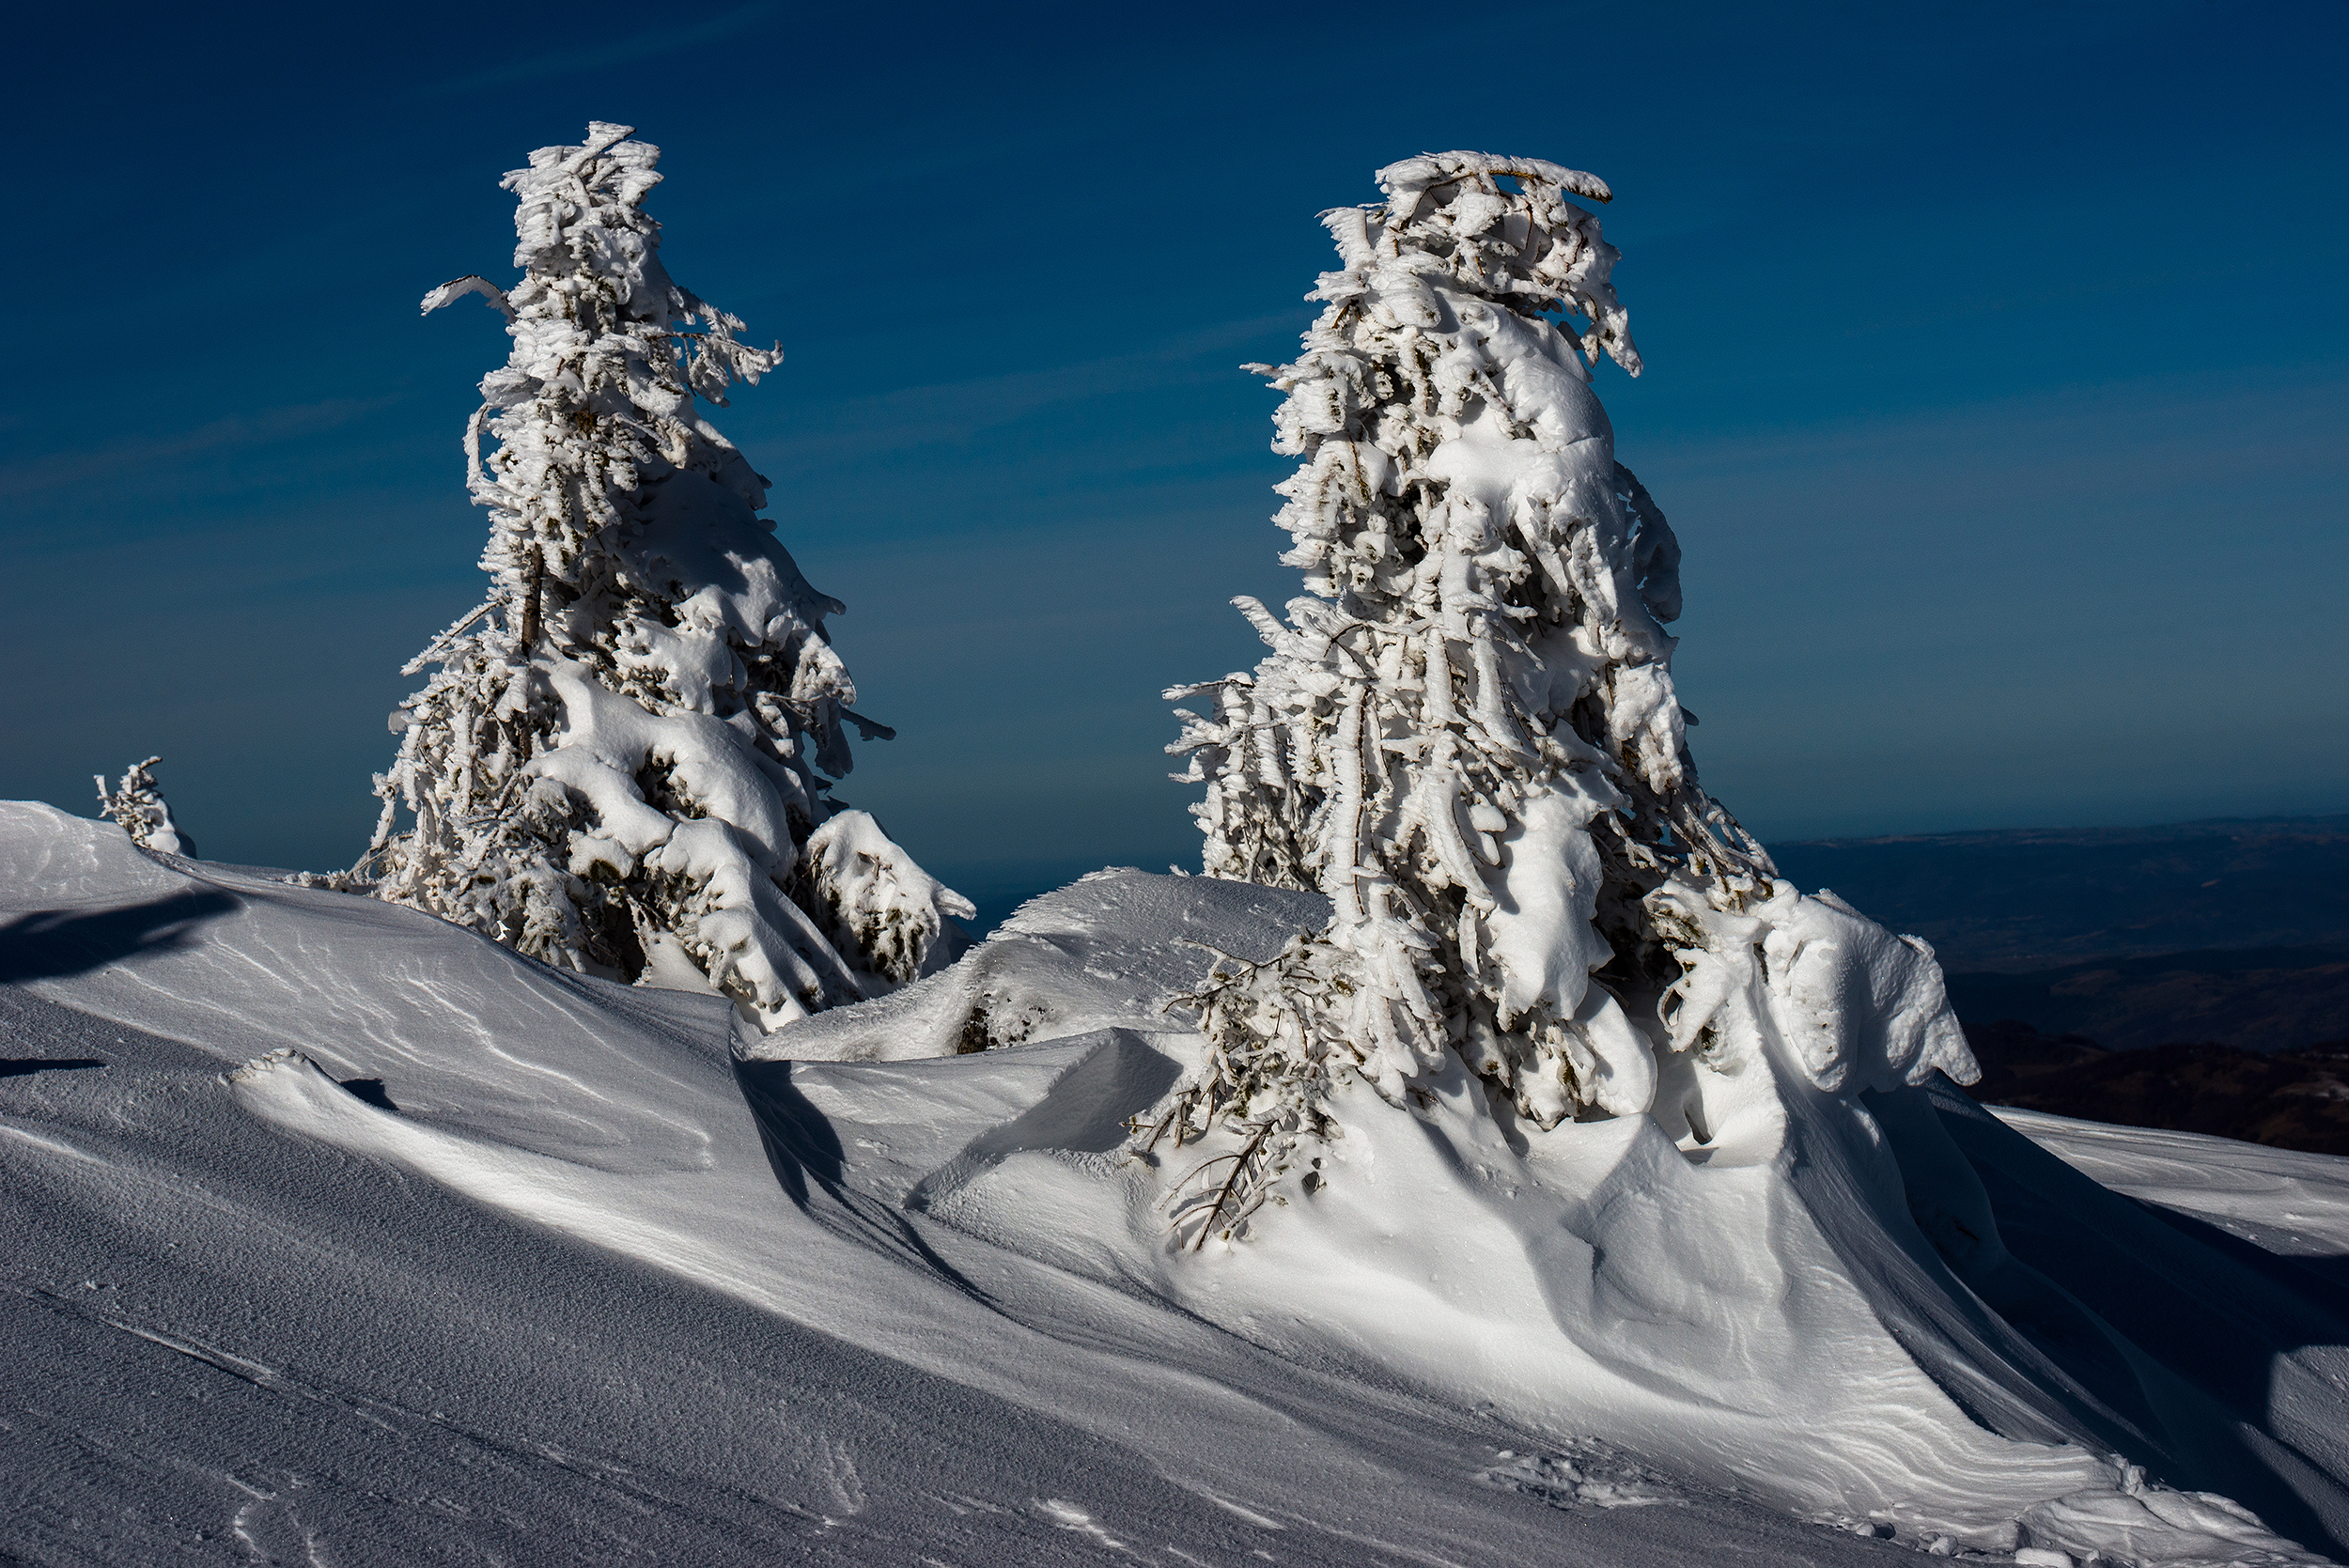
137 805
623 763
1466 735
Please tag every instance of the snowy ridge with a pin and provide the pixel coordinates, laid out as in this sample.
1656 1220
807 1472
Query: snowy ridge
1725 1307
1626 1314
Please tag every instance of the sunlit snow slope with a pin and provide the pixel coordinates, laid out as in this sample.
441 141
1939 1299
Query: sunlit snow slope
500 1264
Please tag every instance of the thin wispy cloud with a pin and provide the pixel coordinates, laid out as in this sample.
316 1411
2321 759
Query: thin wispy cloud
627 51
55 470
952 411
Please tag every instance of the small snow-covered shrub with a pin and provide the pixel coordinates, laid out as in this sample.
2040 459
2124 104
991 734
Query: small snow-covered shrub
137 805
1466 735
623 763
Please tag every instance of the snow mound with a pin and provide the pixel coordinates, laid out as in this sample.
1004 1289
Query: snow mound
471 1036
1111 950
1761 1305
886 1305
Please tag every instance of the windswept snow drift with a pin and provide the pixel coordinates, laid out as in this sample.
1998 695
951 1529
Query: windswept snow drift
362 1237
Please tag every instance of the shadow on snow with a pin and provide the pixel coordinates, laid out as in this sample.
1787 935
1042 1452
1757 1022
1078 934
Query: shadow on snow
48 943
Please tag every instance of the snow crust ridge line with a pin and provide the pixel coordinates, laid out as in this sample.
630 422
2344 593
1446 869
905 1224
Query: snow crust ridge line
391 1416
1079 1358
1088 1109
667 1225
2238 1358
222 1360
802 1147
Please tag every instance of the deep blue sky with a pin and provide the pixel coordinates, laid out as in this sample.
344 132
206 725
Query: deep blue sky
1996 372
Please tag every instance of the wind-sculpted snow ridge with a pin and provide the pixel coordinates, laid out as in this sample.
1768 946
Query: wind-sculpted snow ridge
311 1189
1814 1303
623 765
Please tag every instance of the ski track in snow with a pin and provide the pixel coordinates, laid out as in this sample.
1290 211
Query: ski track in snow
566 1304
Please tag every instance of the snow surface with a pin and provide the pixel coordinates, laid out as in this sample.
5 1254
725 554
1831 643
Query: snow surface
345 1235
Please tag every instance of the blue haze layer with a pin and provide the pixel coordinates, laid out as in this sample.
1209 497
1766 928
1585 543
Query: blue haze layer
1996 372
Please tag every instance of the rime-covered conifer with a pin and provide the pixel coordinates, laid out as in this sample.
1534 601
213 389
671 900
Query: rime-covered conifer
623 764
137 805
1466 733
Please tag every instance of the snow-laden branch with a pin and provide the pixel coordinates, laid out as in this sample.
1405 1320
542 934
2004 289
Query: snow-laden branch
457 289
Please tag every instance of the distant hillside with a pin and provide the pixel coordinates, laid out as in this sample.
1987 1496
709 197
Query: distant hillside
2260 999
2194 976
2291 1099
2042 899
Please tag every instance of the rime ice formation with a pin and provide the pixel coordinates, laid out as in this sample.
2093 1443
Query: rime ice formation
623 765
1466 739
137 805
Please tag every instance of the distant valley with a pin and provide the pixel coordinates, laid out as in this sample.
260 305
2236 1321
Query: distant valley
2193 976
2044 899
